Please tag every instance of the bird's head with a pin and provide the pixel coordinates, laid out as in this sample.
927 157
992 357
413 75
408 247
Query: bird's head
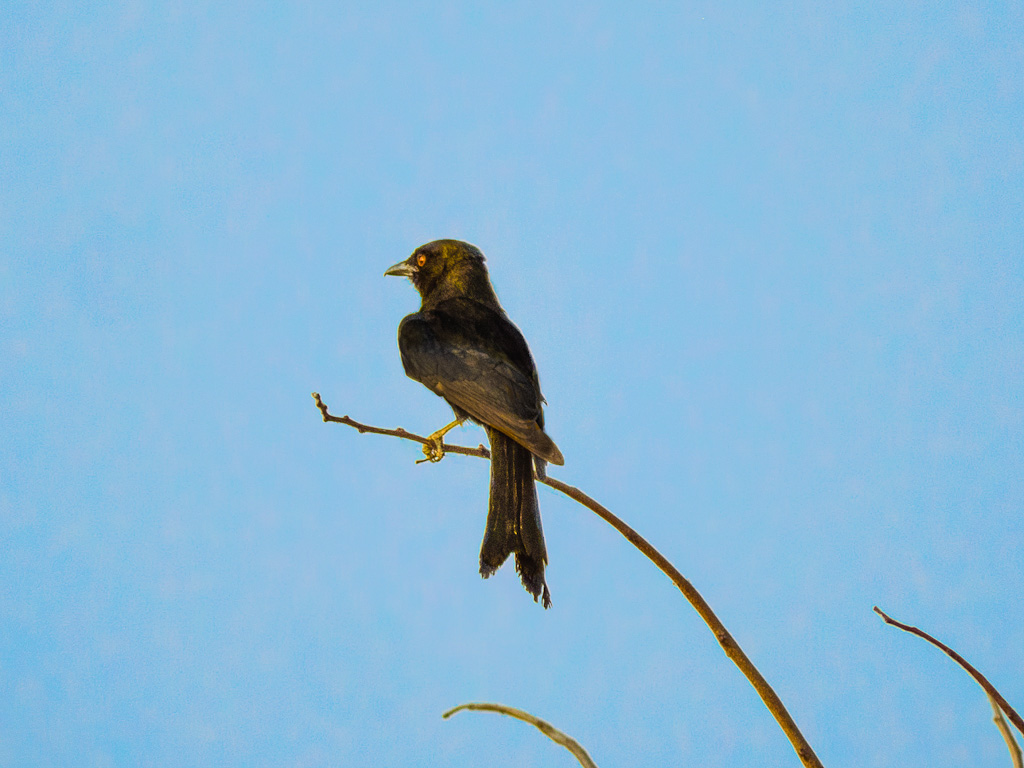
444 269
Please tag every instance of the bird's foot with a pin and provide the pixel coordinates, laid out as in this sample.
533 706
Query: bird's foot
433 449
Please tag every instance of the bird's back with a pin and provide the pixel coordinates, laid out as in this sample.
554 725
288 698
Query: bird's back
478 360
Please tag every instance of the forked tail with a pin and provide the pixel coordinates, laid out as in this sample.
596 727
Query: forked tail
513 517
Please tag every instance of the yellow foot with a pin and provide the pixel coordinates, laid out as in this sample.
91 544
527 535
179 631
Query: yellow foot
433 449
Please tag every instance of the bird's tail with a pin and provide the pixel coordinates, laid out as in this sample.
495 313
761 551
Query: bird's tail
513 517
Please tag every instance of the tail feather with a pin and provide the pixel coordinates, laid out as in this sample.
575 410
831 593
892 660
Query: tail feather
513 517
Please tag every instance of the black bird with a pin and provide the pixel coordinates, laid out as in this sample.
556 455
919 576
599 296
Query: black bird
462 346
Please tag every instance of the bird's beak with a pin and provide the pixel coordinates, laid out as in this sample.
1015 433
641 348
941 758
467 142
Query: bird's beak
401 269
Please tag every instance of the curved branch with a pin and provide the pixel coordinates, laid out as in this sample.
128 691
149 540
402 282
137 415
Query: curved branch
729 645
545 727
980 678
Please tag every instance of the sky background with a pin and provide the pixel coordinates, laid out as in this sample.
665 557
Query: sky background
770 262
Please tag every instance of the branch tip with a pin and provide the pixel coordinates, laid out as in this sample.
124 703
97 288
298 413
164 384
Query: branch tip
979 678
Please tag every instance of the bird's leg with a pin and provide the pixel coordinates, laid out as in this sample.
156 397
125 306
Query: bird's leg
434 447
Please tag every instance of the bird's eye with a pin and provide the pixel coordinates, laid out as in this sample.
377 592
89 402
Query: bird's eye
421 259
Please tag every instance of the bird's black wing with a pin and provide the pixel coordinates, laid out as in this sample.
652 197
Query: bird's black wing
478 361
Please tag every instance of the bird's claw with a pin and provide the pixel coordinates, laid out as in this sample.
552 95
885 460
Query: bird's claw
433 450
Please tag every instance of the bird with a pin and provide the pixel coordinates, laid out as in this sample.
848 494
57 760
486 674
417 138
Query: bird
462 346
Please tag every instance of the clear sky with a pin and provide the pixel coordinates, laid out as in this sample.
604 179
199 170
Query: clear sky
770 262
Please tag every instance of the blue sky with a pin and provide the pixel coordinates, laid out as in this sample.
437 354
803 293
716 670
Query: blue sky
769 261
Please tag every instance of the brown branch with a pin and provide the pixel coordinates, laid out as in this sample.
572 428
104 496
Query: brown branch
479 451
980 678
1004 729
546 728
729 645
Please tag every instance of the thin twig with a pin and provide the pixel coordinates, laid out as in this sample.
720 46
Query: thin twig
1004 729
546 728
980 678
729 645
479 451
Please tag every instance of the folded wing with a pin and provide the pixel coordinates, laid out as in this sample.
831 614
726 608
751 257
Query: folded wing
477 364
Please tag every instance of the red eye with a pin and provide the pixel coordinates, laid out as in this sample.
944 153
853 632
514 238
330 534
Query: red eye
421 259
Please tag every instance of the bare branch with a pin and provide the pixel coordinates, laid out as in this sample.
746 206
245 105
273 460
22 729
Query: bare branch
1004 729
729 645
480 451
980 678
546 728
